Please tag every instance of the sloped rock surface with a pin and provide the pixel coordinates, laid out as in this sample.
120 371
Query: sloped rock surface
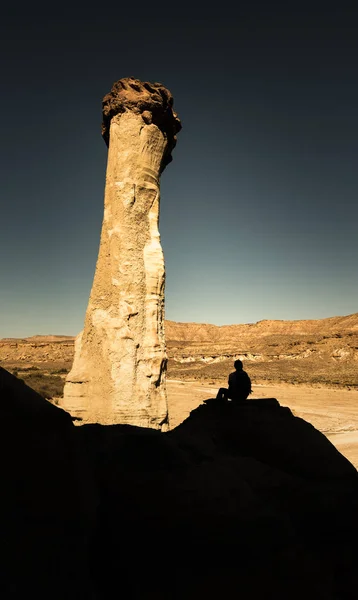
239 501
245 501
47 500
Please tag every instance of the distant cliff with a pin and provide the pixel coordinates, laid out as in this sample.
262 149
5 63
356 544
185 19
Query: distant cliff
203 332
323 351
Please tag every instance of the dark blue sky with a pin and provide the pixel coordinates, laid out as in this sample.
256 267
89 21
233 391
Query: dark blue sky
259 207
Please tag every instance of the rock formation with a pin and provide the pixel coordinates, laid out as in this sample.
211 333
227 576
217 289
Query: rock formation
48 503
248 501
118 374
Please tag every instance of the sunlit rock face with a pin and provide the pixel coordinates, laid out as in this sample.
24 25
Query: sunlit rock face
118 374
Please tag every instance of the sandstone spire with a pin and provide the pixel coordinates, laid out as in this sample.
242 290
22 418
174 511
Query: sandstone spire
118 374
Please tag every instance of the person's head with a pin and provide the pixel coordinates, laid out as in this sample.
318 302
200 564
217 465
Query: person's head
238 365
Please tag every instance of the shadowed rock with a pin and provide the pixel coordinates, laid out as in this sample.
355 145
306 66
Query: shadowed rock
247 501
239 501
48 499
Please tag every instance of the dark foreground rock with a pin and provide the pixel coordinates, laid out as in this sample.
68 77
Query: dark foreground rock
47 501
243 501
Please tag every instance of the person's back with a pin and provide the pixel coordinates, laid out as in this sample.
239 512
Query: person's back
239 383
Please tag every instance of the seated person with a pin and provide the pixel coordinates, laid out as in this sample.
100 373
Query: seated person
239 385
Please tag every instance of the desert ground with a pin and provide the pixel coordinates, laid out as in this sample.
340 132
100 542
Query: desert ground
332 411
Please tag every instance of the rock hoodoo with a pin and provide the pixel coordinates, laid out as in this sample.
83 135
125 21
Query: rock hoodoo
118 374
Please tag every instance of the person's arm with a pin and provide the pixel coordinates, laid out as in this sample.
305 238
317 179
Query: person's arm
249 385
230 381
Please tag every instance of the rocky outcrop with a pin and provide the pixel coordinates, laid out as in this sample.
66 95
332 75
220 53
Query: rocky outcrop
118 374
48 499
238 501
247 500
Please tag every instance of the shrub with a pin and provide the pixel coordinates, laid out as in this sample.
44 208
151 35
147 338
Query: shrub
47 386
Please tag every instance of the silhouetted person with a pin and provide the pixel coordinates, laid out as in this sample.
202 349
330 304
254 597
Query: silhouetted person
239 385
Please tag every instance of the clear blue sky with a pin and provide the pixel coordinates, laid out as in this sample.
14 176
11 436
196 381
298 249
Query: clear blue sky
259 206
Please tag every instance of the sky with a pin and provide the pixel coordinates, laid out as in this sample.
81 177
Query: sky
259 206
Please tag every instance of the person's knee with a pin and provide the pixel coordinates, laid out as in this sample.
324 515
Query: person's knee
222 394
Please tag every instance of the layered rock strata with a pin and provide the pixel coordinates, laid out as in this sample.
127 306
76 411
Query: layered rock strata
118 374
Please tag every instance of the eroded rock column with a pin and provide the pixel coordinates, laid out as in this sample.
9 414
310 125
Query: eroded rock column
118 374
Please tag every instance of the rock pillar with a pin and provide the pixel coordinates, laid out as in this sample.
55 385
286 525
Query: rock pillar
118 374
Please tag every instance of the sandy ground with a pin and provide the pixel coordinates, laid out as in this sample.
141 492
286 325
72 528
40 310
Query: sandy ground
333 411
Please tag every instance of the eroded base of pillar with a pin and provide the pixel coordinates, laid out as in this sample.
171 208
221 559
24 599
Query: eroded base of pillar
138 418
88 397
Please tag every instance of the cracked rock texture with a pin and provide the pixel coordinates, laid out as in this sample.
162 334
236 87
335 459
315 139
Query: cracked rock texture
118 374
